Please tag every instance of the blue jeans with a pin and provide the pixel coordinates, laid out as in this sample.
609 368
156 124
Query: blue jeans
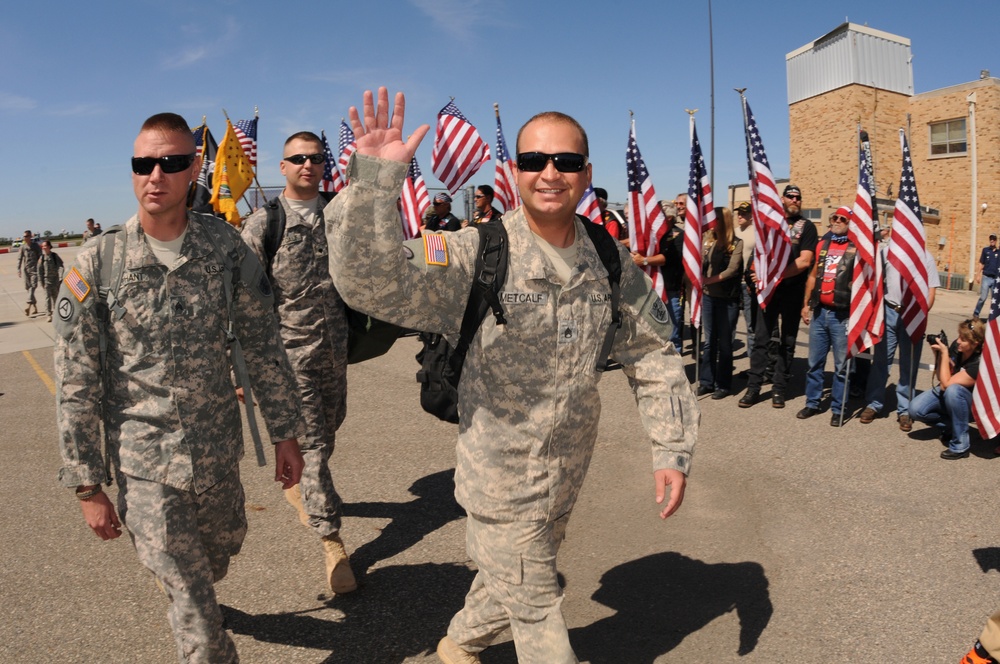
909 359
676 314
985 293
828 330
718 316
749 302
949 410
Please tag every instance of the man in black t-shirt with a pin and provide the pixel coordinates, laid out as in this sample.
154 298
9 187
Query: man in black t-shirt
440 217
786 304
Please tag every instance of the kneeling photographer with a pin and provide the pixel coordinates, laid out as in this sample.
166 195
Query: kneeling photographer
948 406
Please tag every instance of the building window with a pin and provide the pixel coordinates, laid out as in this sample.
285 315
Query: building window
812 214
948 137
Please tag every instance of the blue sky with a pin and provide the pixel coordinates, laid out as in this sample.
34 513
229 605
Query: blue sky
78 79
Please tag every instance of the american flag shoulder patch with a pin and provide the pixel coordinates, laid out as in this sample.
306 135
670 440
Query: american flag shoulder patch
435 249
77 285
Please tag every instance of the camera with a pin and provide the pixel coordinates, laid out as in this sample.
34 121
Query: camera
933 338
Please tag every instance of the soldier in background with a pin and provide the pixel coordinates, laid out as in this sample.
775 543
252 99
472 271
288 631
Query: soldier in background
528 398
172 427
50 273
27 266
313 324
91 231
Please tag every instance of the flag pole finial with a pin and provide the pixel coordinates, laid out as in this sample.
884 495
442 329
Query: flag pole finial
226 114
256 111
690 112
740 91
496 109
204 119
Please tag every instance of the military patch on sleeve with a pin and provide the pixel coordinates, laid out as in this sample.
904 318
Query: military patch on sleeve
435 249
658 311
264 286
408 253
77 285
64 307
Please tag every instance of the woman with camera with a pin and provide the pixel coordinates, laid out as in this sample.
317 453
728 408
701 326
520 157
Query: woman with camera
948 406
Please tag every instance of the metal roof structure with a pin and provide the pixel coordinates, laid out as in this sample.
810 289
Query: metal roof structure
850 54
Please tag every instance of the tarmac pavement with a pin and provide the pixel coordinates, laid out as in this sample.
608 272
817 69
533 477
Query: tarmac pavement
797 541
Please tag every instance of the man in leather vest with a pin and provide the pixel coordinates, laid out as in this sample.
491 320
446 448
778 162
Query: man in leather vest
827 311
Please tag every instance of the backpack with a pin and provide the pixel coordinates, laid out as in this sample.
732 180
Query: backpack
441 365
367 337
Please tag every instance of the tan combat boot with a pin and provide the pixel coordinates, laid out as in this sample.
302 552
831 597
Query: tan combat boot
338 567
451 653
294 498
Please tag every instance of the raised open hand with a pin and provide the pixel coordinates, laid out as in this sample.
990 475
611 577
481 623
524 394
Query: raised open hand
379 137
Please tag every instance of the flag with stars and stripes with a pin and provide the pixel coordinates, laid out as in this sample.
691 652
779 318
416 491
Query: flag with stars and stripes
332 179
773 245
458 151
907 246
646 221
867 318
504 185
246 132
346 145
588 206
987 389
415 200
699 217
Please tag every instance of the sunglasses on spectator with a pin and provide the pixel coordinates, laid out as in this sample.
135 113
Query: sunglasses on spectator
839 217
299 159
793 197
172 163
477 196
565 162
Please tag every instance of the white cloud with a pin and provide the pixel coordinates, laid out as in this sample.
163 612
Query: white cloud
206 44
11 102
77 110
461 19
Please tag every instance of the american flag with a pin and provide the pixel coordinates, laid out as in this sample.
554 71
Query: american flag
246 132
458 149
346 145
646 222
907 247
415 200
588 206
866 323
504 185
987 389
76 284
774 244
700 217
332 179
435 249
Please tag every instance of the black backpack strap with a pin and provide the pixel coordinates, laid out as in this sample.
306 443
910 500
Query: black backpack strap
489 277
273 232
607 250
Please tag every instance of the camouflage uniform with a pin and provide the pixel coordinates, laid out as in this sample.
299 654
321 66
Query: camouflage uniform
50 270
172 421
313 327
27 267
529 402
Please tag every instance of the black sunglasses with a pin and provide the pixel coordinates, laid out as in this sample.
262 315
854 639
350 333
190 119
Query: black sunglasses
565 162
172 163
299 159
793 197
838 217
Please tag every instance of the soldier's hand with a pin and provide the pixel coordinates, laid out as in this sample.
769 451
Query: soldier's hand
676 480
101 516
288 463
378 136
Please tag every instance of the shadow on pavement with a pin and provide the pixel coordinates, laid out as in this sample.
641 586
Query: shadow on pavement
433 508
987 558
661 599
401 612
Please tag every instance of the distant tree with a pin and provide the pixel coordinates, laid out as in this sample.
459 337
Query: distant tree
47 234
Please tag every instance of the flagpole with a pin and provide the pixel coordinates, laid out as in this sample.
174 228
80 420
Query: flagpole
696 337
711 78
256 116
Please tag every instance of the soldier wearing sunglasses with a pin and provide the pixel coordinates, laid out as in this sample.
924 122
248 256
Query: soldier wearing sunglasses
528 398
146 344
313 326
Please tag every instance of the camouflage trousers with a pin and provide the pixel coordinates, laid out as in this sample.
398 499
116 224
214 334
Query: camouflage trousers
51 292
30 284
186 540
516 587
323 408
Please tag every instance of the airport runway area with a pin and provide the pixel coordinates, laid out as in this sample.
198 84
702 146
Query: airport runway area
797 541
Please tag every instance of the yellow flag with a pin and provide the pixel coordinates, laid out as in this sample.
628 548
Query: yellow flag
233 176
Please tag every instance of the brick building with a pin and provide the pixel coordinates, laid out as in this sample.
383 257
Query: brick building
856 75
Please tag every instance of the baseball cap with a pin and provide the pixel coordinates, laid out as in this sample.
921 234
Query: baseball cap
743 207
600 192
993 236
442 198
